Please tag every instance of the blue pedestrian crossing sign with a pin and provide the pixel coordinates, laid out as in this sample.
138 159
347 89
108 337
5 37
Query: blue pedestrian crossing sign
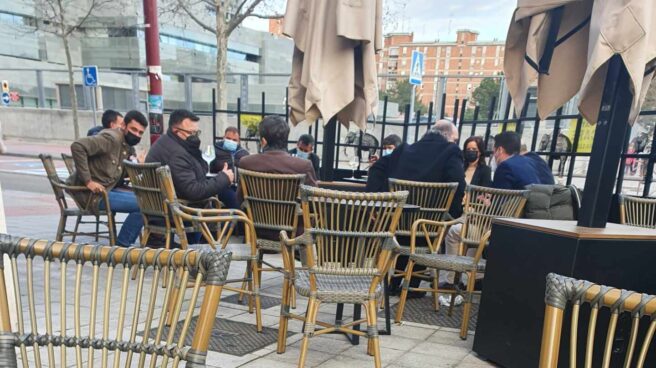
416 67
90 75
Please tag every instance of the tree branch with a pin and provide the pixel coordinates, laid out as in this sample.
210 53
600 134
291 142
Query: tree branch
191 15
95 4
240 7
265 16
238 18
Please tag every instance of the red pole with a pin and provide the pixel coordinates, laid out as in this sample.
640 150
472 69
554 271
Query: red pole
154 69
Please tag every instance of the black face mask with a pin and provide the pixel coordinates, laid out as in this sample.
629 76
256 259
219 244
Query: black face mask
471 156
131 139
193 141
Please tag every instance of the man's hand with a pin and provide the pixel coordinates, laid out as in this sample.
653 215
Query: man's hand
373 159
228 172
95 187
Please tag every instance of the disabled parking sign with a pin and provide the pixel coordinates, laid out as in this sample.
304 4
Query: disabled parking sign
90 75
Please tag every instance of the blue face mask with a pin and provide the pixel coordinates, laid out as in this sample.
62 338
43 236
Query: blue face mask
303 155
229 145
387 152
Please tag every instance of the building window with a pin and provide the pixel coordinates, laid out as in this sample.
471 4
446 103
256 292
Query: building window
473 50
405 50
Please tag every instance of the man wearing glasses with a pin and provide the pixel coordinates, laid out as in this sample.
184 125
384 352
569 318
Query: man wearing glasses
180 149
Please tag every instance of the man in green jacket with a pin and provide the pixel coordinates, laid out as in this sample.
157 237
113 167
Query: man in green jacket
99 167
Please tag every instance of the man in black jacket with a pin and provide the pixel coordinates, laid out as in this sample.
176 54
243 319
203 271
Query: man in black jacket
304 149
228 151
434 158
180 149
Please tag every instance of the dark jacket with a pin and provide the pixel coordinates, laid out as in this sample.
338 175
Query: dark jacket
224 156
541 168
280 162
432 159
316 163
519 171
552 202
95 130
482 176
188 169
99 158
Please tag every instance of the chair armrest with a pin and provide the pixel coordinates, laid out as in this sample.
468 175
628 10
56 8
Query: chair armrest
436 243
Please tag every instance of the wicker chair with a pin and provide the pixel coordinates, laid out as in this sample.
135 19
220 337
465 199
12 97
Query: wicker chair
217 227
434 200
636 211
81 210
346 251
481 206
561 291
69 162
60 322
271 203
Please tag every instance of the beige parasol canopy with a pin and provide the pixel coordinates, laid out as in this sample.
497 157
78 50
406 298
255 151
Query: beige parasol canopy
590 33
334 62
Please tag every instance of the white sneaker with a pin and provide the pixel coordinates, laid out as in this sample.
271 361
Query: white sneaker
446 300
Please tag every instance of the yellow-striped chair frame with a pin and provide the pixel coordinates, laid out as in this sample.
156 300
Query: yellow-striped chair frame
562 291
637 211
132 318
346 250
482 205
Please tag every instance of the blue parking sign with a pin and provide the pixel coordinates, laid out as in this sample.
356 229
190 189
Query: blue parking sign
90 75
417 68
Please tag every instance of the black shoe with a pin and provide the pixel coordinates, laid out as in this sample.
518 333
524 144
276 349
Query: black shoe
416 294
478 285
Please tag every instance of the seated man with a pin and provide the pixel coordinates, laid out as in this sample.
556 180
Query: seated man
99 167
110 120
229 151
304 150
514 171
179 148
390 143
434 158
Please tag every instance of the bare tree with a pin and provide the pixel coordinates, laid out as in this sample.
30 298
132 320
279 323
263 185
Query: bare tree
62 18
228 15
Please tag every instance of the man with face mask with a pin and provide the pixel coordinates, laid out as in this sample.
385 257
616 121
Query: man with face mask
228 150
389 143
180 149
99 167
304 150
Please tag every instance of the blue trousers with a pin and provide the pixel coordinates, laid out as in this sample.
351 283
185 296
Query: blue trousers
126 202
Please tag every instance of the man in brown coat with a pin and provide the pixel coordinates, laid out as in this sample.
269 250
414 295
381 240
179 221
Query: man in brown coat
99 167
274 158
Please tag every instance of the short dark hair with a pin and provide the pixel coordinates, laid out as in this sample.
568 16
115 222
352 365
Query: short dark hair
178 116
392 140
108 117
135 115
306 139
510 141
276 132
231 129
480 145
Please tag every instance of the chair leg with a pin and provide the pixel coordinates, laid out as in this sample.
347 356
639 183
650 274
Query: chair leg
436 294
308 329
372 328
468 301
61 227
167 245
144 240
257 275
284 316
97 228
404 290
243 287
456 282
77 226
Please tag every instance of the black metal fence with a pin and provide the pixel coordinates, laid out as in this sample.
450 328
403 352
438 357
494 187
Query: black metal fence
557 138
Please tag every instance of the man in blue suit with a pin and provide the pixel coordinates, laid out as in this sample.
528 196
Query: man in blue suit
515 171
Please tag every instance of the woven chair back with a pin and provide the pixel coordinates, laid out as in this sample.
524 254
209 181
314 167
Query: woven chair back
349 229
272 200
434 200
146 186
636 211
484 204
68 161
74 305
583 297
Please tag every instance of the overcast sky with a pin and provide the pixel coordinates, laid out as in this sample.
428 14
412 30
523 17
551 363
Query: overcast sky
439 19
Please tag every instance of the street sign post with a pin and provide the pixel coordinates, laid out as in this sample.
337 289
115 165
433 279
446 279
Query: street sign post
90 78
416 76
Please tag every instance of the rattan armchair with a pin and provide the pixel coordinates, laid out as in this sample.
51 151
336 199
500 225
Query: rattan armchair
562 291
637 211
58 322
217 228
69 162
481 206
347 249
434 201
87 208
